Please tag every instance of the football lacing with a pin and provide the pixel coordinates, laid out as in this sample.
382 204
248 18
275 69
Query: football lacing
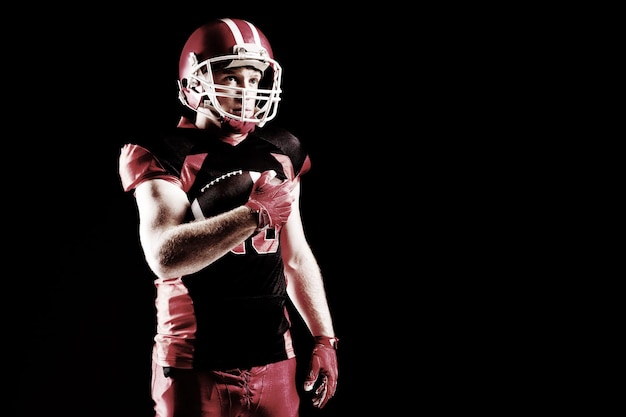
221 177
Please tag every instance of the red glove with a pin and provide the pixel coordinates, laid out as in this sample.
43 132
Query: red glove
271 199
323 370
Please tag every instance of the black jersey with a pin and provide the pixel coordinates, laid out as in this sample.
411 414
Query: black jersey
231 314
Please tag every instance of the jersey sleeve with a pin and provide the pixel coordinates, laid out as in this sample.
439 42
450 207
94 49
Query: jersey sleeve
306 166
137 164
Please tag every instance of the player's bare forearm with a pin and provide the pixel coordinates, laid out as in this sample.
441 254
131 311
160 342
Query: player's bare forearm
189 247
307 292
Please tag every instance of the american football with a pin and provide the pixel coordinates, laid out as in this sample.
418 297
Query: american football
224 193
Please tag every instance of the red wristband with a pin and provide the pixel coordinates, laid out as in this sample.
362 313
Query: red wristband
327 341
263 218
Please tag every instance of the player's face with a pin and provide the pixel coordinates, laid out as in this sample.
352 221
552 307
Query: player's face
240 77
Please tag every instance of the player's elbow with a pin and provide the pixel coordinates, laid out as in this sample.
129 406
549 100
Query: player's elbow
160 268
163 263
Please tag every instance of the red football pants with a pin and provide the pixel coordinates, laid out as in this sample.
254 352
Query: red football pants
262 391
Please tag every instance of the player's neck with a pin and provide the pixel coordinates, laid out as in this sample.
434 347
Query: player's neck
230 138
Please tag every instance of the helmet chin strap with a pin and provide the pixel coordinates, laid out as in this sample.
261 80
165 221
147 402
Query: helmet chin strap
236 126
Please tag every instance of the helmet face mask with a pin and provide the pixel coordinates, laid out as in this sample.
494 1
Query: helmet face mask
228 43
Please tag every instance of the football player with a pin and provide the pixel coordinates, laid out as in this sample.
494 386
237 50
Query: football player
220 227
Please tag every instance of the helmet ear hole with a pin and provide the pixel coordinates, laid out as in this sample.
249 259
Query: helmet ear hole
193 83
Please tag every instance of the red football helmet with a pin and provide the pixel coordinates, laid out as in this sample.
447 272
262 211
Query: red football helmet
229 43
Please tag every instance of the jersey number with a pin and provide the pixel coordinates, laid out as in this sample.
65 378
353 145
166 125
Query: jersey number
263 242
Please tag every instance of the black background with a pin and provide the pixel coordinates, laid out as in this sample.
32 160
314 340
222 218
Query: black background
80 302
409 206
422 204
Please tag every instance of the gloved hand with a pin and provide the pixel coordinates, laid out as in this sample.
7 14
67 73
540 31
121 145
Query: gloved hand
323 370
272 199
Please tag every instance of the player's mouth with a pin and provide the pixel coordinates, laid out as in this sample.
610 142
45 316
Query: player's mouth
238 112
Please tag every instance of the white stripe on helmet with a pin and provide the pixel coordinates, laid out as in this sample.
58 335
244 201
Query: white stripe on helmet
237 33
